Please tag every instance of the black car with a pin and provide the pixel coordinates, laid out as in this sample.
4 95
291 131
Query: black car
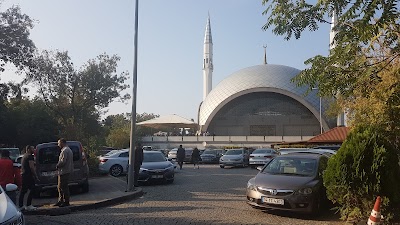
290 182
156 167
211 155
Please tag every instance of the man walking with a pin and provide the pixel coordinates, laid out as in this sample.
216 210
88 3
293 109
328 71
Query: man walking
137 163
65 167
180 155
28 172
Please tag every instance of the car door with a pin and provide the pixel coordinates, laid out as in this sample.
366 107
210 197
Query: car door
123 160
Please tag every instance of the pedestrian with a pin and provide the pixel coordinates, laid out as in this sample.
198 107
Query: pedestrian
196 158
29 176
137 163
65 167
180 156
8 174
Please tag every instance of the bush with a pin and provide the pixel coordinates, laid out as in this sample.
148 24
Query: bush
366 166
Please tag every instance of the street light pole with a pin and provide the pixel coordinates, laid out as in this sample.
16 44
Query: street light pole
320 112
133 112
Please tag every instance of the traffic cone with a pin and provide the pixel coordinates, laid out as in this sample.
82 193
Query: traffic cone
375 217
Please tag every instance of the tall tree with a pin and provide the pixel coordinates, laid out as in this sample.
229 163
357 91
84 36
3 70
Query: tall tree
77 96
15 45
366 45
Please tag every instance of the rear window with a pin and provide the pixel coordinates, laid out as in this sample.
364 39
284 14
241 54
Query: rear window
50 154
14 152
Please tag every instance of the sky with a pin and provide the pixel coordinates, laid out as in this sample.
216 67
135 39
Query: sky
170 44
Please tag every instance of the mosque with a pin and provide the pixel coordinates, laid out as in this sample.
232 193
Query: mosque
260 100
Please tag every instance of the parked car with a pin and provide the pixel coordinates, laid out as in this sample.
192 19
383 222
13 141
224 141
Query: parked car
188 154
326 152
172 154
331 147
211 155
9 213
114 163
262 156
46 159
156 167
14 152
290 182
234 157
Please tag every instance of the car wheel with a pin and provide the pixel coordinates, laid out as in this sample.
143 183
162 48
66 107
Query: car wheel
222 166
316 207
85 187
116 170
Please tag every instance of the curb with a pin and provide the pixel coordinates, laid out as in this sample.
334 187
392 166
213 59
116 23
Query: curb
73 208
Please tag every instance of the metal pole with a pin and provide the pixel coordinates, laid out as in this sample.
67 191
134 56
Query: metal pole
133 112
320 113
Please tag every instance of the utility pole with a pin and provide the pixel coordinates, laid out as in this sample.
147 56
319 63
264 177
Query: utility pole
133 112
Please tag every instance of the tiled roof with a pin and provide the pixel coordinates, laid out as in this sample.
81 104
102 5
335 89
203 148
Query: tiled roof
334 135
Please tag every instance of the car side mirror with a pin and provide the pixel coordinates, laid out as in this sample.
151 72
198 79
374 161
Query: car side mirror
259 168
11 187
169 159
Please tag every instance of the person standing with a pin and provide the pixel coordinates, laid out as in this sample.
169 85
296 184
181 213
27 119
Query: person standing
137 163
65 167
28 172
180 156
196 158
8 174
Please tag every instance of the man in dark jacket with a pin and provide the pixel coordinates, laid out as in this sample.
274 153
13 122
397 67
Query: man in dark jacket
137 163
180 156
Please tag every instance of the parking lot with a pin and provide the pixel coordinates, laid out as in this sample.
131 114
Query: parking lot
209 195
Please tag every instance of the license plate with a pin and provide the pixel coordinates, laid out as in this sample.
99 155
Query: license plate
49 174
157 176
275 201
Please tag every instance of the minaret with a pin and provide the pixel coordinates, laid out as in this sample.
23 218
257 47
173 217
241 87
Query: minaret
341 118
207 60
265 54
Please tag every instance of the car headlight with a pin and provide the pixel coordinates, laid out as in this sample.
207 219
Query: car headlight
251 186
171 168
18 219
142 170
305 191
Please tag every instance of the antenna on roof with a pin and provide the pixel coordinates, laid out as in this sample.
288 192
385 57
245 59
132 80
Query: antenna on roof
265 54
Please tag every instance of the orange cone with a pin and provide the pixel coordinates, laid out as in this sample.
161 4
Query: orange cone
375 217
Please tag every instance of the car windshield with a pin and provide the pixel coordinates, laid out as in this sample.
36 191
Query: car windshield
14 152
210 152
153 157
234 152
292 166
261 151
49 154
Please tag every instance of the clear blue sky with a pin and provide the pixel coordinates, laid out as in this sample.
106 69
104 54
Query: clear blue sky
170 43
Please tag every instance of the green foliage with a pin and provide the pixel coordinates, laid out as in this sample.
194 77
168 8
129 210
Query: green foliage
15 45
365 45
366 166
119 127
76 97
26 122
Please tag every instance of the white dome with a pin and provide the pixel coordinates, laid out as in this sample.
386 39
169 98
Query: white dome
260 78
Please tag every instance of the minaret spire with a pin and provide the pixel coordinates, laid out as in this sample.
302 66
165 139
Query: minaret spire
207 59
265 54
333 32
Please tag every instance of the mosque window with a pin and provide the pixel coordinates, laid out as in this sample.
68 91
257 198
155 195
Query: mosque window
206 60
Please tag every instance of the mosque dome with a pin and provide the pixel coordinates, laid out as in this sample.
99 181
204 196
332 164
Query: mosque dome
269 82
